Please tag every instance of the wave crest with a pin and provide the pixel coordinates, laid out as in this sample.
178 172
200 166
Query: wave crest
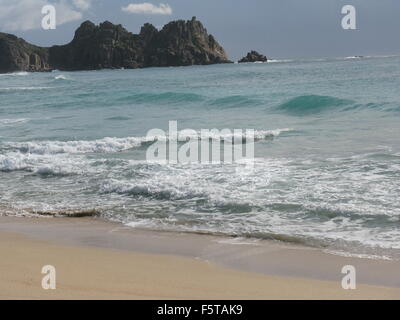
310 104
111 145
153 191
15 74
166 97
235 101
13 121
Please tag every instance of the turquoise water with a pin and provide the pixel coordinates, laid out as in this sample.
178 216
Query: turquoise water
327 164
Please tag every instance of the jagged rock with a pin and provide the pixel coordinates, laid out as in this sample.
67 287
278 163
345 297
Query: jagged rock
182 43
109 46
254 56
18 55
106 46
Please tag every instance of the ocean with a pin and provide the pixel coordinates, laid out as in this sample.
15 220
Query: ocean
327 157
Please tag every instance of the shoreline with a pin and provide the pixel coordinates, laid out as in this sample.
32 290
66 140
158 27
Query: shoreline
102 260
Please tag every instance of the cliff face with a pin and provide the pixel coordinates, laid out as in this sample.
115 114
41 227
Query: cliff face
18 55
98 47
108 46
182 43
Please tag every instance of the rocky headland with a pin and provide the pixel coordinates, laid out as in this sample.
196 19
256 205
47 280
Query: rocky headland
110 46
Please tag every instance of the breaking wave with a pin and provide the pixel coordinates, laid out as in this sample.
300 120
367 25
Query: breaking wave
110 145
161 191
279 60
15 74
49 165
61 77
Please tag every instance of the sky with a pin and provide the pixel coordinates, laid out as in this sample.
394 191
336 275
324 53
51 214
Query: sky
276 28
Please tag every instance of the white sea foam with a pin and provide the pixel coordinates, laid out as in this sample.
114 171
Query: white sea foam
279 199
239 241
24 88
105 145
158 190
140 224
357 255
44 165
22 73
310 201
60 77
13 121
15 74
235 135
109 145
278 60
353 57
12 162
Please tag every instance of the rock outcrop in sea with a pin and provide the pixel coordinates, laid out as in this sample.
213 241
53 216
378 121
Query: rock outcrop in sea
110 46
254 56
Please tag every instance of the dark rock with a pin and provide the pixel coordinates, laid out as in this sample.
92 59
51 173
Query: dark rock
106 46
18 55
109 46
254 56
183 43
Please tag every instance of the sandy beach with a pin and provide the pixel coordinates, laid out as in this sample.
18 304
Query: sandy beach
97 260
199 151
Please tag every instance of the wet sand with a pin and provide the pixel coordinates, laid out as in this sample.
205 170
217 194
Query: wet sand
100 260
